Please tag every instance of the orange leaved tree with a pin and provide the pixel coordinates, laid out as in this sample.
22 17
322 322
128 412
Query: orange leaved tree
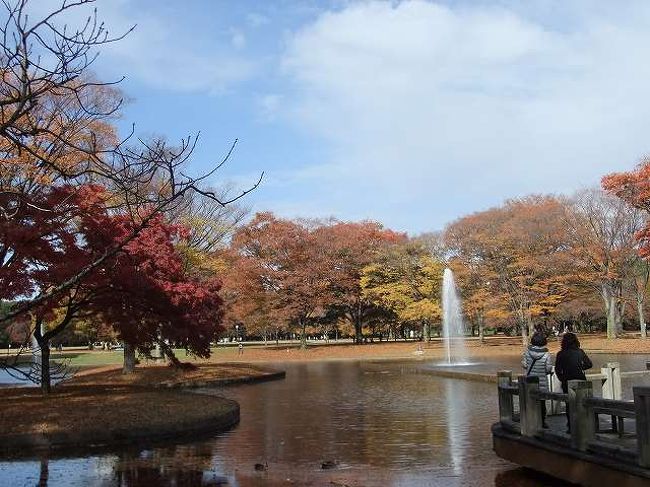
633 187
516 251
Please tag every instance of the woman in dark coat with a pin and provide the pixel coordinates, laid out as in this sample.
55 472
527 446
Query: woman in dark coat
570 364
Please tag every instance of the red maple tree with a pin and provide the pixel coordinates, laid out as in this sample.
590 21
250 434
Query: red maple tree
144 291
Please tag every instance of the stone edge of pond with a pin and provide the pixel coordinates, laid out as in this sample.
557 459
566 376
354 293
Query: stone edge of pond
226 381
457 374
615 352
23 445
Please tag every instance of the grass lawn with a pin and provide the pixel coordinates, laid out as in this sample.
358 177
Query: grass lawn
93 358
90 358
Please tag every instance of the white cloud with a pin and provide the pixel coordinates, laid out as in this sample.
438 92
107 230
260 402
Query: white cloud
269 105
437 111
237 39
161 51
256 19
173 59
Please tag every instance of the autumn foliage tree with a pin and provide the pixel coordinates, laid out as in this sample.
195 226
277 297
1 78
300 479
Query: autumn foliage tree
248 297
407 280
144 291
67 178
601 237
352 247
303 273
531 263
56 131
633 188
518 252
151 299
291 263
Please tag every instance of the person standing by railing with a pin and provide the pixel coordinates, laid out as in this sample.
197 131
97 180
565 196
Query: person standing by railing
537 362
570 364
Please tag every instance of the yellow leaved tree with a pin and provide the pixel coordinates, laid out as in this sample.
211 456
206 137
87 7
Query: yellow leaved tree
407 280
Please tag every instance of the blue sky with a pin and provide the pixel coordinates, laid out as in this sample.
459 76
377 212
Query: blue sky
410 113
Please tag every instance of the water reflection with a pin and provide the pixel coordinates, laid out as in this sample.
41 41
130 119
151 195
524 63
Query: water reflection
44 473
382 424
455 424
174 465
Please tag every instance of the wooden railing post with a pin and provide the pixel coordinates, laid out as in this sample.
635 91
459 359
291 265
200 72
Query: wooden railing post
612 383
642 410
581 417
530 411
612 389
504 379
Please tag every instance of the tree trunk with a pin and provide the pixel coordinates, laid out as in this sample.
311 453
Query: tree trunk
129 359
427 331
609 297
358 333
640 287
480 328
620 308
44 349
529 324
639 306
357 319
46 385
303 335
169 353
523 326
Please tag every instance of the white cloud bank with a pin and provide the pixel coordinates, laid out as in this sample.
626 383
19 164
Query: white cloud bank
430 112
165 50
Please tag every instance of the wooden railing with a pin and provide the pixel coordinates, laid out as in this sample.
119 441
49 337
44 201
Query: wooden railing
584 410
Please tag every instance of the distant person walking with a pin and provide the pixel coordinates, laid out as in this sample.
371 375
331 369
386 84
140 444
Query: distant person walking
241 348
570 364
537 362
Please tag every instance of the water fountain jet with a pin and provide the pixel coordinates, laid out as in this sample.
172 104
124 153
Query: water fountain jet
453 330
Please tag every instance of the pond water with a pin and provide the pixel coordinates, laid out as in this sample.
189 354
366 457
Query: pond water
628 362
379 423
12 379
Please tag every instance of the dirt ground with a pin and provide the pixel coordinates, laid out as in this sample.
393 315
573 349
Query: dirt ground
100 408
620 345
493 347
104 406
154 376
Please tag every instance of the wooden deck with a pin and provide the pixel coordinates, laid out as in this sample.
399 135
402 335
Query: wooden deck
609 440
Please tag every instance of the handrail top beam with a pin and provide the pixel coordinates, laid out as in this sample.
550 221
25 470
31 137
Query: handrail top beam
611 403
